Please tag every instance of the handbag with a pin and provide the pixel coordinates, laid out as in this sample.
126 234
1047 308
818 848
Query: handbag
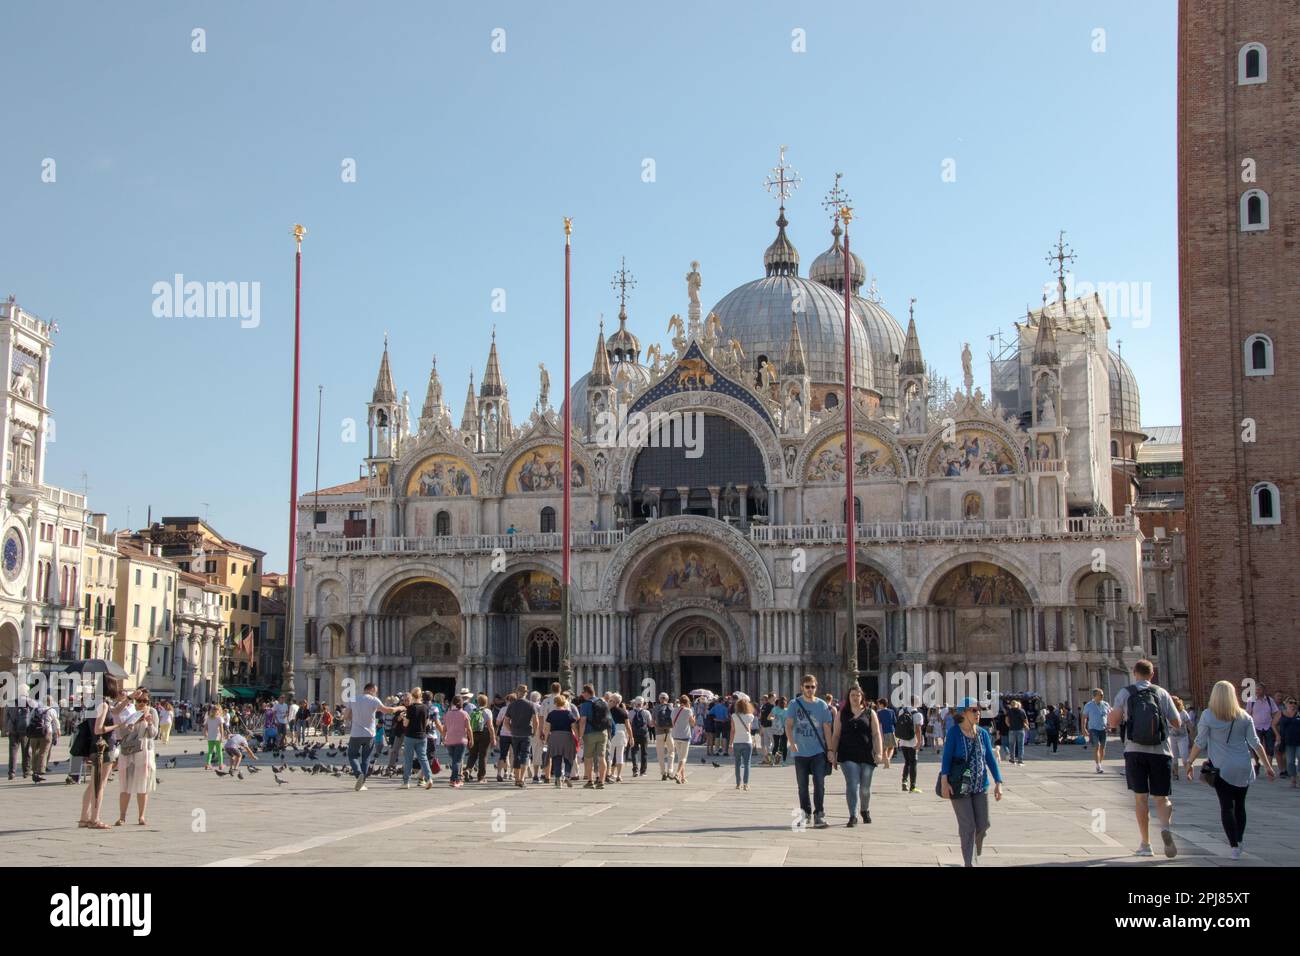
959 768
818 734
1209 772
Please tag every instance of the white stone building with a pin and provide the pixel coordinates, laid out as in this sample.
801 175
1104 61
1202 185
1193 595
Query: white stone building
984 538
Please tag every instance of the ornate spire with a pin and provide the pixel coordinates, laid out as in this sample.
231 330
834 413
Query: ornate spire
623 345
469 420
492 384
600 374
795 361
385 392
434 409
912 362
781 257
1045 352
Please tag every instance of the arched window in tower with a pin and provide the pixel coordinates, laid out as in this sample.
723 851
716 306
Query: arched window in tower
1114 448
1259 355
857 510
1265 504
1254 210
548 519
543 652
1252 64
832 400
442 524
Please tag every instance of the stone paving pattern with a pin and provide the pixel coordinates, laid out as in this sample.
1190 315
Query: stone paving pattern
1055 811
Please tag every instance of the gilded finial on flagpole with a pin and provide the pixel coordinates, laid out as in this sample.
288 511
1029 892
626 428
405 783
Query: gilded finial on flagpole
568 228
846 214
299 230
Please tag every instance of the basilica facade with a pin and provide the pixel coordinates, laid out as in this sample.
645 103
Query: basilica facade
986 537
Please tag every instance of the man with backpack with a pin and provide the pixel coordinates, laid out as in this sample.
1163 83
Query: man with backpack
42 735
663 718
1147 714
909 737
593 730
1264 714
640 721
17 715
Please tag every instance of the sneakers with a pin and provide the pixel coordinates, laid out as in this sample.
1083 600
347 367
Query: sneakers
1099 770
906 788
746 787
866 817
361 784
915 790
1144 850
661 779
1236 853
819 822
588 785
405 786
600 786
1171 850
557 783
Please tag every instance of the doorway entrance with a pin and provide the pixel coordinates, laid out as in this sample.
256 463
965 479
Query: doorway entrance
439 685
699 670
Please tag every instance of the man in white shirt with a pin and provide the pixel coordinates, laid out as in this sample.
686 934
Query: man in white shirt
281 711
361 714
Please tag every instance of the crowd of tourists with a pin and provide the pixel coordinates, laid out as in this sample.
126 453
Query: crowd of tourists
594 740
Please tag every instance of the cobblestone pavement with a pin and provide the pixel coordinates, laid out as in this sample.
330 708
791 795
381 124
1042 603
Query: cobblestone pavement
1056 811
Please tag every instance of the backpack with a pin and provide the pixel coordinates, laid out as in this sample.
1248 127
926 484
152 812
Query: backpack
36 725
905 726
1146 722
640 722
599 718
664 717
765 715
476 719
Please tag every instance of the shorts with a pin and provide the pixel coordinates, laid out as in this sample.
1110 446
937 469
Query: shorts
522 748
593 745
1097 738
1149 773
888 741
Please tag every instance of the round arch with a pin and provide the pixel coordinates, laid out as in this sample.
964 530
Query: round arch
682 529
667 629
491 584
1016 568
828 564
715 404
408 572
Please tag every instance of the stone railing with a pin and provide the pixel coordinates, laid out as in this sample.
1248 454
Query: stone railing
461 543
1090 527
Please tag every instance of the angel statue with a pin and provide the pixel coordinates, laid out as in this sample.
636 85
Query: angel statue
967 376
679 340
543 398
769 373
654 357
693 283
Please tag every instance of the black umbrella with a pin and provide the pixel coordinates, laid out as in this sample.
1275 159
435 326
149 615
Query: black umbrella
97 665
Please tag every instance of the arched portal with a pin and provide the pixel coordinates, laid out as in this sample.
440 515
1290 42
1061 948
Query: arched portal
982 620
421 619
522 627
879 620
697 647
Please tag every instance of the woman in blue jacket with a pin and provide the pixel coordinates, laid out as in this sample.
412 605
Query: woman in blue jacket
968 759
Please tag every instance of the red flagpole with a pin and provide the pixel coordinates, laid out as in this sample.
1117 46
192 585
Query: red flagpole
286 682
566 667
851 558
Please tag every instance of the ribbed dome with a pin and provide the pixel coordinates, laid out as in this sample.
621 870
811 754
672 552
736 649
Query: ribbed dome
758 315
1125 402
781 257
828 268
886 339
623 345
578 393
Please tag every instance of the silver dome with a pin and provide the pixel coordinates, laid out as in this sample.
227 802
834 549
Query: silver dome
828 268
886 338
758 315
640 376
1125 402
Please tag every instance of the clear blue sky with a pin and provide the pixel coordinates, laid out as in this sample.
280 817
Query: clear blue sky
171 161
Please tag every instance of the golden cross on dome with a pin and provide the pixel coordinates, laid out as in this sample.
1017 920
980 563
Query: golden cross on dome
785 180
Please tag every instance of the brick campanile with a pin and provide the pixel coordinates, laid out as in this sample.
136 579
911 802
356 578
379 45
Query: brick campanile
1239 282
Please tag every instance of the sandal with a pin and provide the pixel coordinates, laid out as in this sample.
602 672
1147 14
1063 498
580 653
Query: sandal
82 824
98 825
143 823
118 823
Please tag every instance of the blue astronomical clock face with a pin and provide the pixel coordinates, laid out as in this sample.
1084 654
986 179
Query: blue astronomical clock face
13 554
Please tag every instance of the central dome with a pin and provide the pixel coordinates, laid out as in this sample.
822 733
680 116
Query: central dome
758 315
